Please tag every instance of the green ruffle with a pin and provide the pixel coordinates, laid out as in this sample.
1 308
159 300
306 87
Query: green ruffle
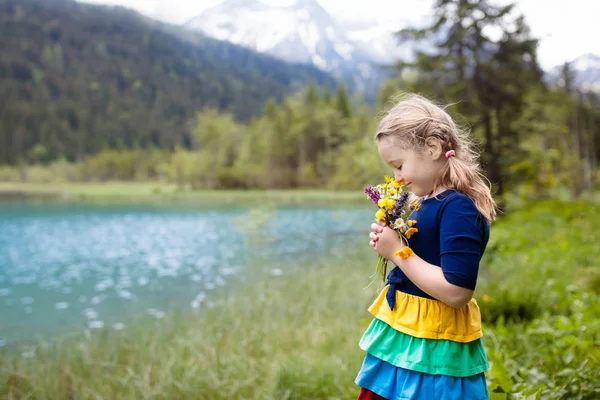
431 356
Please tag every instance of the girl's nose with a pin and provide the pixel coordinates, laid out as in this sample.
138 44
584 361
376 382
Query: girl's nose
398 178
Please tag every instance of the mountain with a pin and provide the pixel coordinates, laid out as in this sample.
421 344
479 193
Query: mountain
303 32
586 72
78 78
377 37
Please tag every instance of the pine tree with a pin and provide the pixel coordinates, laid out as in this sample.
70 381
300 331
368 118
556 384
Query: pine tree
488 76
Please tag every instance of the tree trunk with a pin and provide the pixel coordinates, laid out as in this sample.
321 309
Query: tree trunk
586 153
577 168
490 152
301 160
591 147
500 132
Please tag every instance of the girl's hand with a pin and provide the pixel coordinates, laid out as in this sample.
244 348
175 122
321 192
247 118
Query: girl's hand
385 240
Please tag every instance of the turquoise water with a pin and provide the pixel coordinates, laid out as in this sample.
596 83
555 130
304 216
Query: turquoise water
65 269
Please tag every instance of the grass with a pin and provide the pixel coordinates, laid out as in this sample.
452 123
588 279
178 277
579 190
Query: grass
295 336
158 192
282 338
540 297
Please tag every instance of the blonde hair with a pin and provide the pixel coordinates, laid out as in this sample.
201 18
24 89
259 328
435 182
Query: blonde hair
413 121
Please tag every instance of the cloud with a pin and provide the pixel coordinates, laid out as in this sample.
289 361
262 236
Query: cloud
565 31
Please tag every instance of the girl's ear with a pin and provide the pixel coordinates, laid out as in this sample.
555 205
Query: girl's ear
433 148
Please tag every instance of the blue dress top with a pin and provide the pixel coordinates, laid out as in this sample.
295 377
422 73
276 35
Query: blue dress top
453 235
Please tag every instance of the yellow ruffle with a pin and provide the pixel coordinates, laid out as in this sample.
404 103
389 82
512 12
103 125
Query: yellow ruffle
429 319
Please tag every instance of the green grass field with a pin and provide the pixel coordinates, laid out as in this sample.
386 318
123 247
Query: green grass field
157 192
296 336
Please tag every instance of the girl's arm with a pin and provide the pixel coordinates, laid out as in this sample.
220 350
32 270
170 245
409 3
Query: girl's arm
428 277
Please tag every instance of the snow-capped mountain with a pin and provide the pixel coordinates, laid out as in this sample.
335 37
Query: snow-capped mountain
303 33
586 70
377 37
351 50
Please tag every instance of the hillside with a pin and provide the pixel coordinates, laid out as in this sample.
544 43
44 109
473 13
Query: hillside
78 78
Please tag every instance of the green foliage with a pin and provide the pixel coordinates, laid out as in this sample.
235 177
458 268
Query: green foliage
215 137
304 142
511 253
9 174
538 292
357 162
77 79
121 165
555 357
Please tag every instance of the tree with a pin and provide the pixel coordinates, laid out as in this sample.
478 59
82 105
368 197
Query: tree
582 132
342 102
487 74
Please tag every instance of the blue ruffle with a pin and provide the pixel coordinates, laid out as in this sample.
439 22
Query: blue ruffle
395 383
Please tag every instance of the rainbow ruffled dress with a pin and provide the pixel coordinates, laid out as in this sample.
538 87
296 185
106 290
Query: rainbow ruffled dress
418 347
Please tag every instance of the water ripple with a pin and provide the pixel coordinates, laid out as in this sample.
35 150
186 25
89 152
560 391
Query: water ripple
56 262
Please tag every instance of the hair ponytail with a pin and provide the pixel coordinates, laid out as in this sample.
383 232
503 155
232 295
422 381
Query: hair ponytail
467 179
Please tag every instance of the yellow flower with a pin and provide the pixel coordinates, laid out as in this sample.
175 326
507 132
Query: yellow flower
380 214
386 203
410 232
388 179
393 192
486 298
404 253
397 184
411 222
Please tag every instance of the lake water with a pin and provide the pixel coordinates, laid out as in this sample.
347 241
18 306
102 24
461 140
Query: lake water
68 268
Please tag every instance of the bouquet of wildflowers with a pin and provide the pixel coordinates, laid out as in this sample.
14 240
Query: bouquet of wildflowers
395 211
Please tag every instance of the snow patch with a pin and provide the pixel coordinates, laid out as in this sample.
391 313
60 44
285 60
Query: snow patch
319 61
586 62
344 50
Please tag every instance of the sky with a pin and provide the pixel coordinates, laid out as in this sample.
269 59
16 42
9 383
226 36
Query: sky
567 29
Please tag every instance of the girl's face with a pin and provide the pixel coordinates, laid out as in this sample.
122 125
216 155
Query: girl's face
419 171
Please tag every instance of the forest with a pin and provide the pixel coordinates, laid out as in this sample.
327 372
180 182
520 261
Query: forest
129 102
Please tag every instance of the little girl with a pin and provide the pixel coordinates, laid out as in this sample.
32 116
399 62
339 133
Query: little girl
425 339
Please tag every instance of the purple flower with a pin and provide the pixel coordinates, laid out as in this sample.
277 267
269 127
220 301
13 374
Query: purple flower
373 194
399 206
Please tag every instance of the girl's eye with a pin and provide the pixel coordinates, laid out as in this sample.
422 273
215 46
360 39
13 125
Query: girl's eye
399 167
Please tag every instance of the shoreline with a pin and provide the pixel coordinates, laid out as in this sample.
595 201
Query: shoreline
158 192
